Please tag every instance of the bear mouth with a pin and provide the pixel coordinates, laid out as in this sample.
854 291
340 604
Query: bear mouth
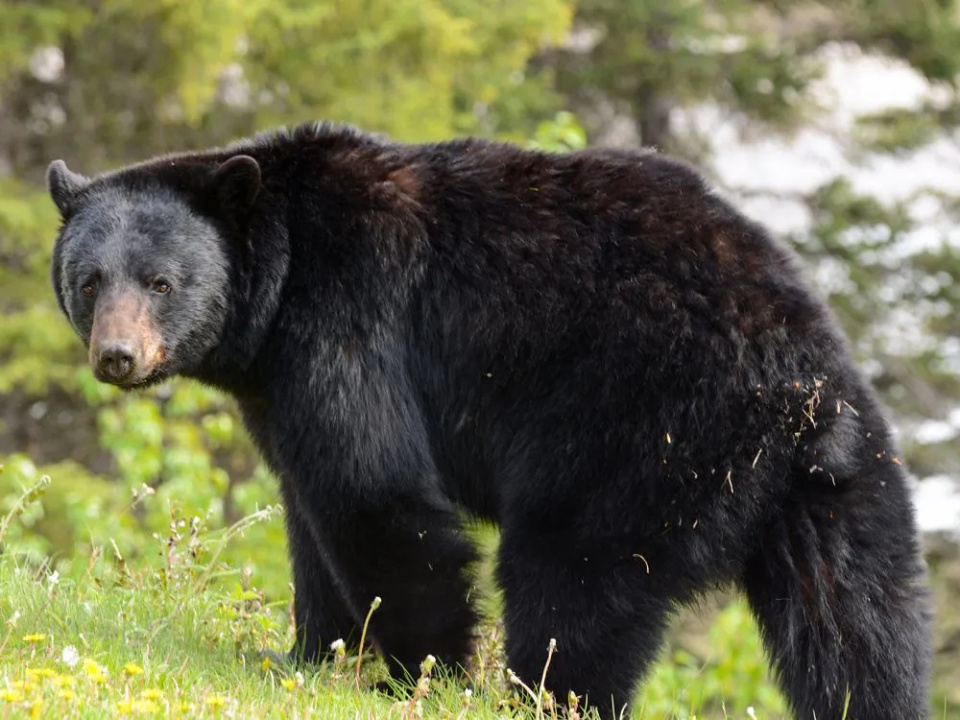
155 377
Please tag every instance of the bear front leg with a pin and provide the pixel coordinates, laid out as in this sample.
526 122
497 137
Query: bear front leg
320 612
407 549
357 460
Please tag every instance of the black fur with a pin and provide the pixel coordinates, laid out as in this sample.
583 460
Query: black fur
591 349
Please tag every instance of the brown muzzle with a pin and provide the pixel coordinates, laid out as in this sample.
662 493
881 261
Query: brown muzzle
125 345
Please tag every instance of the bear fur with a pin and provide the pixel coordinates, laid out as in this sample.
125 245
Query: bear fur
592 349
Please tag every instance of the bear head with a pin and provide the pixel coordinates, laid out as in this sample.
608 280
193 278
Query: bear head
145 262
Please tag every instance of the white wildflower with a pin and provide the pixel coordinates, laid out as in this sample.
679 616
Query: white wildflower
70 657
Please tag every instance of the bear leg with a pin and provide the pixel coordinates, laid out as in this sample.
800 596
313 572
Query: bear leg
837 591
408 550
321 614
607 621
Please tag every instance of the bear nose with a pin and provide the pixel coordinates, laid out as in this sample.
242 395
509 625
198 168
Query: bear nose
116 360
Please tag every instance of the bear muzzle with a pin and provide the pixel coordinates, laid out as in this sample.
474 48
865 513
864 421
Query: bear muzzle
126 347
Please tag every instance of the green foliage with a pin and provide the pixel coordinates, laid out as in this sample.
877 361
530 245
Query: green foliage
925 33
28 25
141 77
562 134
897 298
35 346
647 57
897 131
755 59
416 70
734 677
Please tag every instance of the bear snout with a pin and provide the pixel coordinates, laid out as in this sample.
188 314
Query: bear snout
125 345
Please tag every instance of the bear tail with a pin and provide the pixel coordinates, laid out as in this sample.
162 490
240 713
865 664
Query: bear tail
838 588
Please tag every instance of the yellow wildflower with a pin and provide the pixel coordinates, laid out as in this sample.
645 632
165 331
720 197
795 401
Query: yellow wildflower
265 665
11 695
144 706
34 638
35 709
124 706
63 680
37 673
65 694
151 694
289 683
132 669
93 671
216 701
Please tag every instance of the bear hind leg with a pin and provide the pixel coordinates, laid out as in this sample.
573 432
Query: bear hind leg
607 626
837 592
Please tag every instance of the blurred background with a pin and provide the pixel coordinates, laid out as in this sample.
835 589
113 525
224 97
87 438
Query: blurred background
834 123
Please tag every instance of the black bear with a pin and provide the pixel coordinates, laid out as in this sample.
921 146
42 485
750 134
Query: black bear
591 349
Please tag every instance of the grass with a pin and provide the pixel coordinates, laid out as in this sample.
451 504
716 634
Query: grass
182 635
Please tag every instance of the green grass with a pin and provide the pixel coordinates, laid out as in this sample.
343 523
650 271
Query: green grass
180 635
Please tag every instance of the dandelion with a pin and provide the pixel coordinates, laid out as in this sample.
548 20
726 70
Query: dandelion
37 673
288 683
265 665
66 694
124 706
25 685
93 671
216 701
132 669
70 657
34 638
144 707
151 694
11 695
35 709
63 680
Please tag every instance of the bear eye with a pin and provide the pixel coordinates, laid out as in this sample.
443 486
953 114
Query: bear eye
161 286
88 289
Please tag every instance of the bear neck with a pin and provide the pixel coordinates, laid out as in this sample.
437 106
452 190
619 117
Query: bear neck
261 270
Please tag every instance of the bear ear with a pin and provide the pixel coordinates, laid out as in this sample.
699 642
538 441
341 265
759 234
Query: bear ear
64 184
236 183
